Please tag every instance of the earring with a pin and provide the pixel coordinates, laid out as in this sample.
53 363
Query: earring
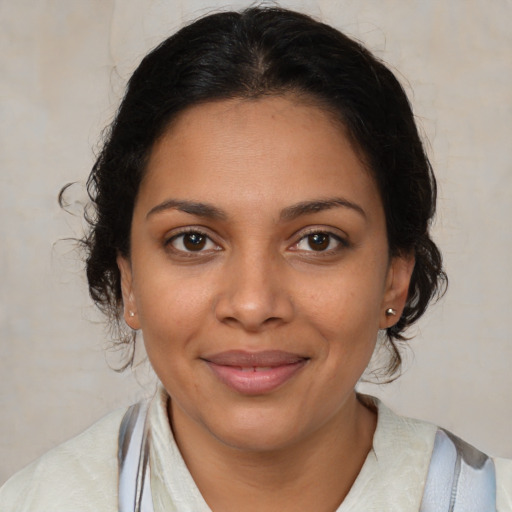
390 312
131 313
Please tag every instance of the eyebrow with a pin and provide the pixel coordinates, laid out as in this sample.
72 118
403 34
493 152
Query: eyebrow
287 214
308 207
194 208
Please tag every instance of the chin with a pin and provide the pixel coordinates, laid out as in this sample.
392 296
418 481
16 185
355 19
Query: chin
260 440
257 430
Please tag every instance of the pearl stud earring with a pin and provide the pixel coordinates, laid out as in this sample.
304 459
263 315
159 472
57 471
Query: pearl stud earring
390 312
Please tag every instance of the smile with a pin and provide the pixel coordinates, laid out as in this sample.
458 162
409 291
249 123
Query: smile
255 373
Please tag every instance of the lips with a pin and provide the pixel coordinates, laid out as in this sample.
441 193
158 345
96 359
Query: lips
255 373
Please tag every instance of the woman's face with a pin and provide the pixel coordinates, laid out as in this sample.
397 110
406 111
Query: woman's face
259 270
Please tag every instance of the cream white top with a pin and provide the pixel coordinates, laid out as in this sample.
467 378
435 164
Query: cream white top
81 474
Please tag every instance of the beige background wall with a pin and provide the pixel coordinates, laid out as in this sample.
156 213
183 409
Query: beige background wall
62 68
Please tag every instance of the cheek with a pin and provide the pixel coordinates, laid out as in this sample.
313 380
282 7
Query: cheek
173 315
172 310
344 303
345 313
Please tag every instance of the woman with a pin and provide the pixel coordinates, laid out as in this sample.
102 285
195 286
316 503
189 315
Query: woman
262 211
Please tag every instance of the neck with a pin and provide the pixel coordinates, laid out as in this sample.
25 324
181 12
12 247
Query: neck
313 474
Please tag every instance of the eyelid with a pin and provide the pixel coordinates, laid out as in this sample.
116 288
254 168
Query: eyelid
335 233
200 230
175 232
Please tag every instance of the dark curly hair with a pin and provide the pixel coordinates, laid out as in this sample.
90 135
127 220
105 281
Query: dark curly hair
260 52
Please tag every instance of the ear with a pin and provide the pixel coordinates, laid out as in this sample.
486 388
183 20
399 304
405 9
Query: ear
129 306
397 289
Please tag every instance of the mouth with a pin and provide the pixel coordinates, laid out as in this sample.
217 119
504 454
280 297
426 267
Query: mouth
255 373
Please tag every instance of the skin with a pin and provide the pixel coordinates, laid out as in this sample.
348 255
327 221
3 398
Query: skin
259 282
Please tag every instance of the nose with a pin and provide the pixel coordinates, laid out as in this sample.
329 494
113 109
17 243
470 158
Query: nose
254 295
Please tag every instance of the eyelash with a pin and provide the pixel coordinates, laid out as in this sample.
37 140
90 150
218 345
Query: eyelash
341 243
190 231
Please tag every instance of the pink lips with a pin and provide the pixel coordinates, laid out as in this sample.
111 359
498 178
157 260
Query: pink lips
255 373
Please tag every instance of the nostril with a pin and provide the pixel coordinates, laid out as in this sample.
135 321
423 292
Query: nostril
230 321
246 324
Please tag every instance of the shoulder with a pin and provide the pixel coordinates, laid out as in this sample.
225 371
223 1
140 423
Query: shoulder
504 484
427 456
78 475
400 436
394 473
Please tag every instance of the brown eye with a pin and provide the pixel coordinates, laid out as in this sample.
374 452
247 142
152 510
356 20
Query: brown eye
194 241
319 241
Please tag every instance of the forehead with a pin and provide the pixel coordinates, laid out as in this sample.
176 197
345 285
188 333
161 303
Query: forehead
278 147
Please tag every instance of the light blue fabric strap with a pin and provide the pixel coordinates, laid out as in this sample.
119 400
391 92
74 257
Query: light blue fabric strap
460 478
133 458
